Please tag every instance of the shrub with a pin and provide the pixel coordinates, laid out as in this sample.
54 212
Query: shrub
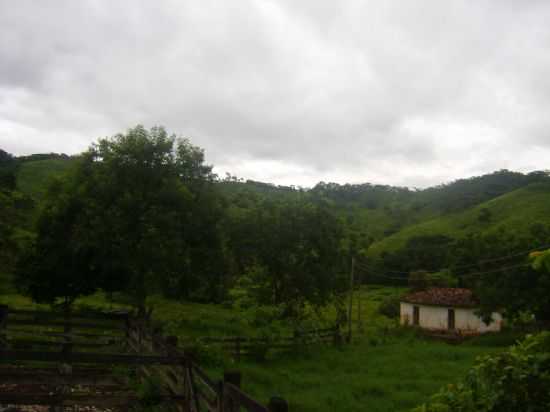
207 355
516 380
390 307
149 392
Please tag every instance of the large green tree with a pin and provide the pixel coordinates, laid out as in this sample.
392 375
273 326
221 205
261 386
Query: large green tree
511 284
126 218
288 252
57 267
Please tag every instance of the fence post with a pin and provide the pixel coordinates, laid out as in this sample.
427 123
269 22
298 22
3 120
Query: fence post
65 368
67 331
172 343
220 400
156 337
127 327
3 320
277 404
140 323
238 349
337 337
231 404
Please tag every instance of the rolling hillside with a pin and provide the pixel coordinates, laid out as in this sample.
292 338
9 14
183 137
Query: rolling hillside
33 176
379 218
516 212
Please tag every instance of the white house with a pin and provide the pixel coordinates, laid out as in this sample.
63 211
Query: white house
451 309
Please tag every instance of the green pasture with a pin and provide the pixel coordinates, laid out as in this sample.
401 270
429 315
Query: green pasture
385 368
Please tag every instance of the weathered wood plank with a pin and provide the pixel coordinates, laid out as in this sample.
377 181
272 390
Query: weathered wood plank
71 335
37 342
211 405
194 402
82 357
6 370
311 334
103 316
207 382
101 382
53 323
99 400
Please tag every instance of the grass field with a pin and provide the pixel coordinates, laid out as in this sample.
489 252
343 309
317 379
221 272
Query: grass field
33 177
386 368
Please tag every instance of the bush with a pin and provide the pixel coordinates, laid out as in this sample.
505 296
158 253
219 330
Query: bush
390 307
207 355
516 380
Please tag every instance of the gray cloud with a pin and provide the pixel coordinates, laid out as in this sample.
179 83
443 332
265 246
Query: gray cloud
409 93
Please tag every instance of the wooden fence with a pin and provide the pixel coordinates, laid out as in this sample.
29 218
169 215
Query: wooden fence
239 346
83 348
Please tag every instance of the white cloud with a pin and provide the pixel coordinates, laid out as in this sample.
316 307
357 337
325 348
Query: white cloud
284 91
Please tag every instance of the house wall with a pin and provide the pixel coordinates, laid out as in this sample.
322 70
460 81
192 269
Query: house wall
435 317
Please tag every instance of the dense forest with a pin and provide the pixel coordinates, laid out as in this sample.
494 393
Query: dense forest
143 213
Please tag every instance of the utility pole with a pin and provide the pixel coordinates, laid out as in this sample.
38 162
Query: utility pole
350 297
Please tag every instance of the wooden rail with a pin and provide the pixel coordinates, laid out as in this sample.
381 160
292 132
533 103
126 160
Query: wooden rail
189 380
240 346
30 377
186 385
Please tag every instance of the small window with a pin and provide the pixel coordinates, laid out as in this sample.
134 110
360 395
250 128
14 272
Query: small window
416 315
451 319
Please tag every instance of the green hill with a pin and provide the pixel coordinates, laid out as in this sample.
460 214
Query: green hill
33 176
376 218
515 212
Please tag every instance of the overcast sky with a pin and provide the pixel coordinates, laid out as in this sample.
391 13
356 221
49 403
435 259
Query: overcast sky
410 93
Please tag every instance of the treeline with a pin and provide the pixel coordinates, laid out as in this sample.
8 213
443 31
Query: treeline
42 156
464 193
143 213
451 197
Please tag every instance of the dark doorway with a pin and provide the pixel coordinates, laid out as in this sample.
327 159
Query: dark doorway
451 319
416 315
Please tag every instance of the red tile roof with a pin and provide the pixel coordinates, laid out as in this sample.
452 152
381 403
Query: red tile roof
443 297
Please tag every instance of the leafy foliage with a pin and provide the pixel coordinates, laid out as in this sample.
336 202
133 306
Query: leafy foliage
14 207
389 307
517 287
287 252
50 269
511 381
541 260
8 166
123 215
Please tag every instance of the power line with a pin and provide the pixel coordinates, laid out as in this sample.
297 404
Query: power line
502 269
369 272
474 274
491 260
